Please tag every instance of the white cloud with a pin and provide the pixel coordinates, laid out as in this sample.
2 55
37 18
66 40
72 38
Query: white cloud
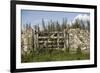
83 17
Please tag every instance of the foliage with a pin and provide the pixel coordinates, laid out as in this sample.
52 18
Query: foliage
44 55
60 26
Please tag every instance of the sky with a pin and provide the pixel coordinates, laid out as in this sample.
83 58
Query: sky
35 16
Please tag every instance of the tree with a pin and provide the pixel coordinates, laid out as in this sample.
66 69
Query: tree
27 26
64 23
58 26
82 24
43 25
76 24
49 27
88 25
53 26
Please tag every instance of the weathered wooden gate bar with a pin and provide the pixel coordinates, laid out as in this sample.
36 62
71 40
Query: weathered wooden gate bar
55 40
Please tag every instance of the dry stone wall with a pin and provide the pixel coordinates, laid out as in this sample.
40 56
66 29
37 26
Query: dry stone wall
68 38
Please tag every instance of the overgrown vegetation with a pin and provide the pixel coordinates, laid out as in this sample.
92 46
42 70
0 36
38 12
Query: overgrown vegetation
44 55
